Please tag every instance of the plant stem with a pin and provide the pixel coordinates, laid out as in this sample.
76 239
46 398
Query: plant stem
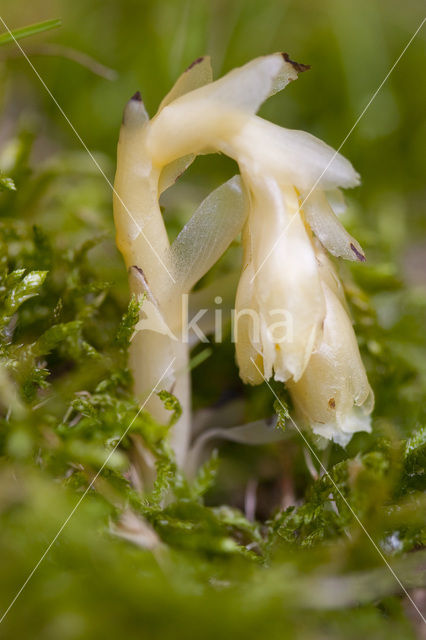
150 356
155 358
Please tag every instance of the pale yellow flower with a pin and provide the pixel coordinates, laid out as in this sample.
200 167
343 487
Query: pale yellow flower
286 202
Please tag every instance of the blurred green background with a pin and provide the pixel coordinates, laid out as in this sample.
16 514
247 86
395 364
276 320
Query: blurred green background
103 52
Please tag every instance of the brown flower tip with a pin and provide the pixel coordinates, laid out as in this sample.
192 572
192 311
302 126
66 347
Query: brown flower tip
361 257
137 97
332 403
197 61
138 269
296 65
140 273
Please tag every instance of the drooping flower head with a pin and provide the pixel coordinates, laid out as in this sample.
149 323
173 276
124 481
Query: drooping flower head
289 186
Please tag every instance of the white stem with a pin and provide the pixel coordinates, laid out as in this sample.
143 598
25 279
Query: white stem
142 239
150 355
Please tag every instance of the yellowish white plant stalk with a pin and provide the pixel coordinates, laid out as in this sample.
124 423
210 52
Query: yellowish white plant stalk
286 203
164 274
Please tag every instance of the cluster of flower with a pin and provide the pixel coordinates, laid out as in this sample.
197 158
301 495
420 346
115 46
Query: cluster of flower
286 202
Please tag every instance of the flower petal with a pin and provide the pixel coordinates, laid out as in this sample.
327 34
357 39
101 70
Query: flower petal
248 347
196 75
356 420
336 200
248 86
334 395
284 289
292 157
328 229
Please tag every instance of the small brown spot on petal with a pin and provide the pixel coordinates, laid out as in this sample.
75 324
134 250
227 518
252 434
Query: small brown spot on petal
197 61
332 403
359 255
137 97
296 65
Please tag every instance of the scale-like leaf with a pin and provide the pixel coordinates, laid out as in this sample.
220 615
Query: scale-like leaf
210 231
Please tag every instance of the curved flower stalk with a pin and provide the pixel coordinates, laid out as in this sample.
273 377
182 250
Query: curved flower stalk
165 274
288 192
